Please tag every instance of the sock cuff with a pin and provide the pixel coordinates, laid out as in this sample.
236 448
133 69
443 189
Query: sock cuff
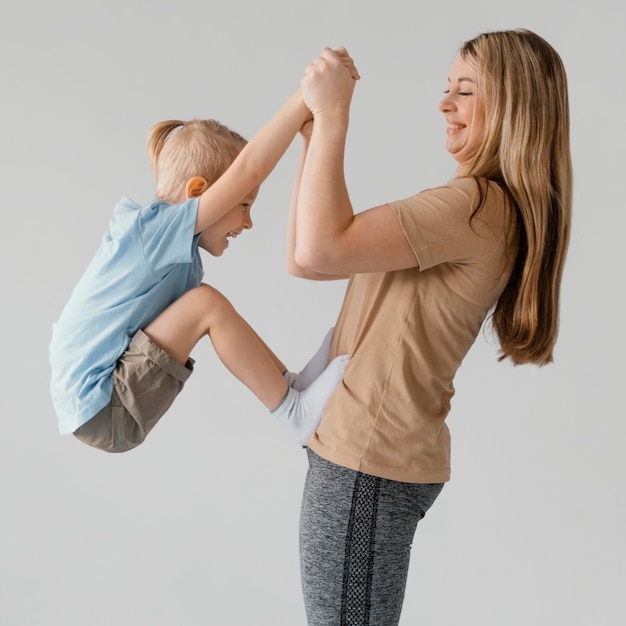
289 390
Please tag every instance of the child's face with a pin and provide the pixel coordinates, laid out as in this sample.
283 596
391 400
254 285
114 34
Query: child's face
216 237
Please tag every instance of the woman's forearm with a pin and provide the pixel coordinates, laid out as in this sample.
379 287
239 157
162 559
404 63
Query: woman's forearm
292 266
324 210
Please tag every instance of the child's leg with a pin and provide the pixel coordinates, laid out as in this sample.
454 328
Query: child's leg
205 311
316 365
277 361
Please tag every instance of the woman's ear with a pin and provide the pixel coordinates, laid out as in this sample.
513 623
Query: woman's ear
196 186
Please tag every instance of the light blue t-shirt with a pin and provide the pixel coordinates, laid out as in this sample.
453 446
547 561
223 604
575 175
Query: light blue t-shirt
148 259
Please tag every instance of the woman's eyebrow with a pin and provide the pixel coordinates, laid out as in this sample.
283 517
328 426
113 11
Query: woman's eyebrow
463 79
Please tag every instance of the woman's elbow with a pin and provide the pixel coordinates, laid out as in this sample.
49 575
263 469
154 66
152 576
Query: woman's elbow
308 258
300 264
293 269
298 271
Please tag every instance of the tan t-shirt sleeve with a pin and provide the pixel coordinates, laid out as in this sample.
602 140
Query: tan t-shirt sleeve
436 223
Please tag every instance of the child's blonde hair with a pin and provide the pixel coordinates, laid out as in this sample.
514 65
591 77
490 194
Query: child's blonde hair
179 151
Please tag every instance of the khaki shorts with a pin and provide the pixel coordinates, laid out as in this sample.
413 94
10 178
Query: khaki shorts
146 382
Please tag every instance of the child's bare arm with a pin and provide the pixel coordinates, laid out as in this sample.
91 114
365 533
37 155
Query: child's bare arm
254 164
259 157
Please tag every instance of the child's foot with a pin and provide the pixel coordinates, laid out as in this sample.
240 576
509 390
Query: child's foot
301 411
313 368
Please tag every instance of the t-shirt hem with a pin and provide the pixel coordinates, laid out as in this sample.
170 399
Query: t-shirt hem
399 474
68 426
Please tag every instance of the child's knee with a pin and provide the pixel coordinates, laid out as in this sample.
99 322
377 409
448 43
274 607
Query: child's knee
214 303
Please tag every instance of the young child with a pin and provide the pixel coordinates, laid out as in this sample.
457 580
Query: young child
120 350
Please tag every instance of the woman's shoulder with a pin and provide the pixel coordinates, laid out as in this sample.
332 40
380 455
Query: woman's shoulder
460 194
465 188
472 186
486 196
461 197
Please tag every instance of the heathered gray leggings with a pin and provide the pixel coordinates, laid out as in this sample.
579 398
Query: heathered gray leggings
356 532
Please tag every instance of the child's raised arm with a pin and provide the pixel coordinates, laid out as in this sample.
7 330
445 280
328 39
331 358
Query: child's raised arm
254 163
259 157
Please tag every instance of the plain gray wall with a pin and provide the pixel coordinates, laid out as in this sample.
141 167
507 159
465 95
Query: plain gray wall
199 525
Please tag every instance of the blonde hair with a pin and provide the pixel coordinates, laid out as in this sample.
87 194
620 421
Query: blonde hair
526 149
179 151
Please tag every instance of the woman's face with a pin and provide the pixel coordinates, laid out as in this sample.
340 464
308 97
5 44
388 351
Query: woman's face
464 111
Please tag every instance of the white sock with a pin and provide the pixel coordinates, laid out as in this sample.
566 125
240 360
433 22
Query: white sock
300 412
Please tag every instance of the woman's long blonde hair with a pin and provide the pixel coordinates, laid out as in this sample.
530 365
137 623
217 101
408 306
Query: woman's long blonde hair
179 151
526 149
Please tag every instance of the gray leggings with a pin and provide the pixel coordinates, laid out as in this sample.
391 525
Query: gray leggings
356 532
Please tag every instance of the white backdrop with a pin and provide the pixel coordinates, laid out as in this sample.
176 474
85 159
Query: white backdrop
199 525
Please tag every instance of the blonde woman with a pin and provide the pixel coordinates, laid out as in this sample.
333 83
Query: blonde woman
120 350
425 272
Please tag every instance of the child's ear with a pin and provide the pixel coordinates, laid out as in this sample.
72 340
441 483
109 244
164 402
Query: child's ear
196 186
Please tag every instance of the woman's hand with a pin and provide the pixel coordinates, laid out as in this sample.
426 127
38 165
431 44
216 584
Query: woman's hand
328 82
348 62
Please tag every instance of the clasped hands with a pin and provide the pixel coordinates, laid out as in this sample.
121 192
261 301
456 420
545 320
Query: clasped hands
328 82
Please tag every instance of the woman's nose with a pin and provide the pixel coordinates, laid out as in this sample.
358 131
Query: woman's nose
446 103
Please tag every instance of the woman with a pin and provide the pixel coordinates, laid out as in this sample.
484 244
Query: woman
424 274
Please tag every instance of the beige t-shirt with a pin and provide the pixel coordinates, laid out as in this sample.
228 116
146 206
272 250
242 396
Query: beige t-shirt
408 331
